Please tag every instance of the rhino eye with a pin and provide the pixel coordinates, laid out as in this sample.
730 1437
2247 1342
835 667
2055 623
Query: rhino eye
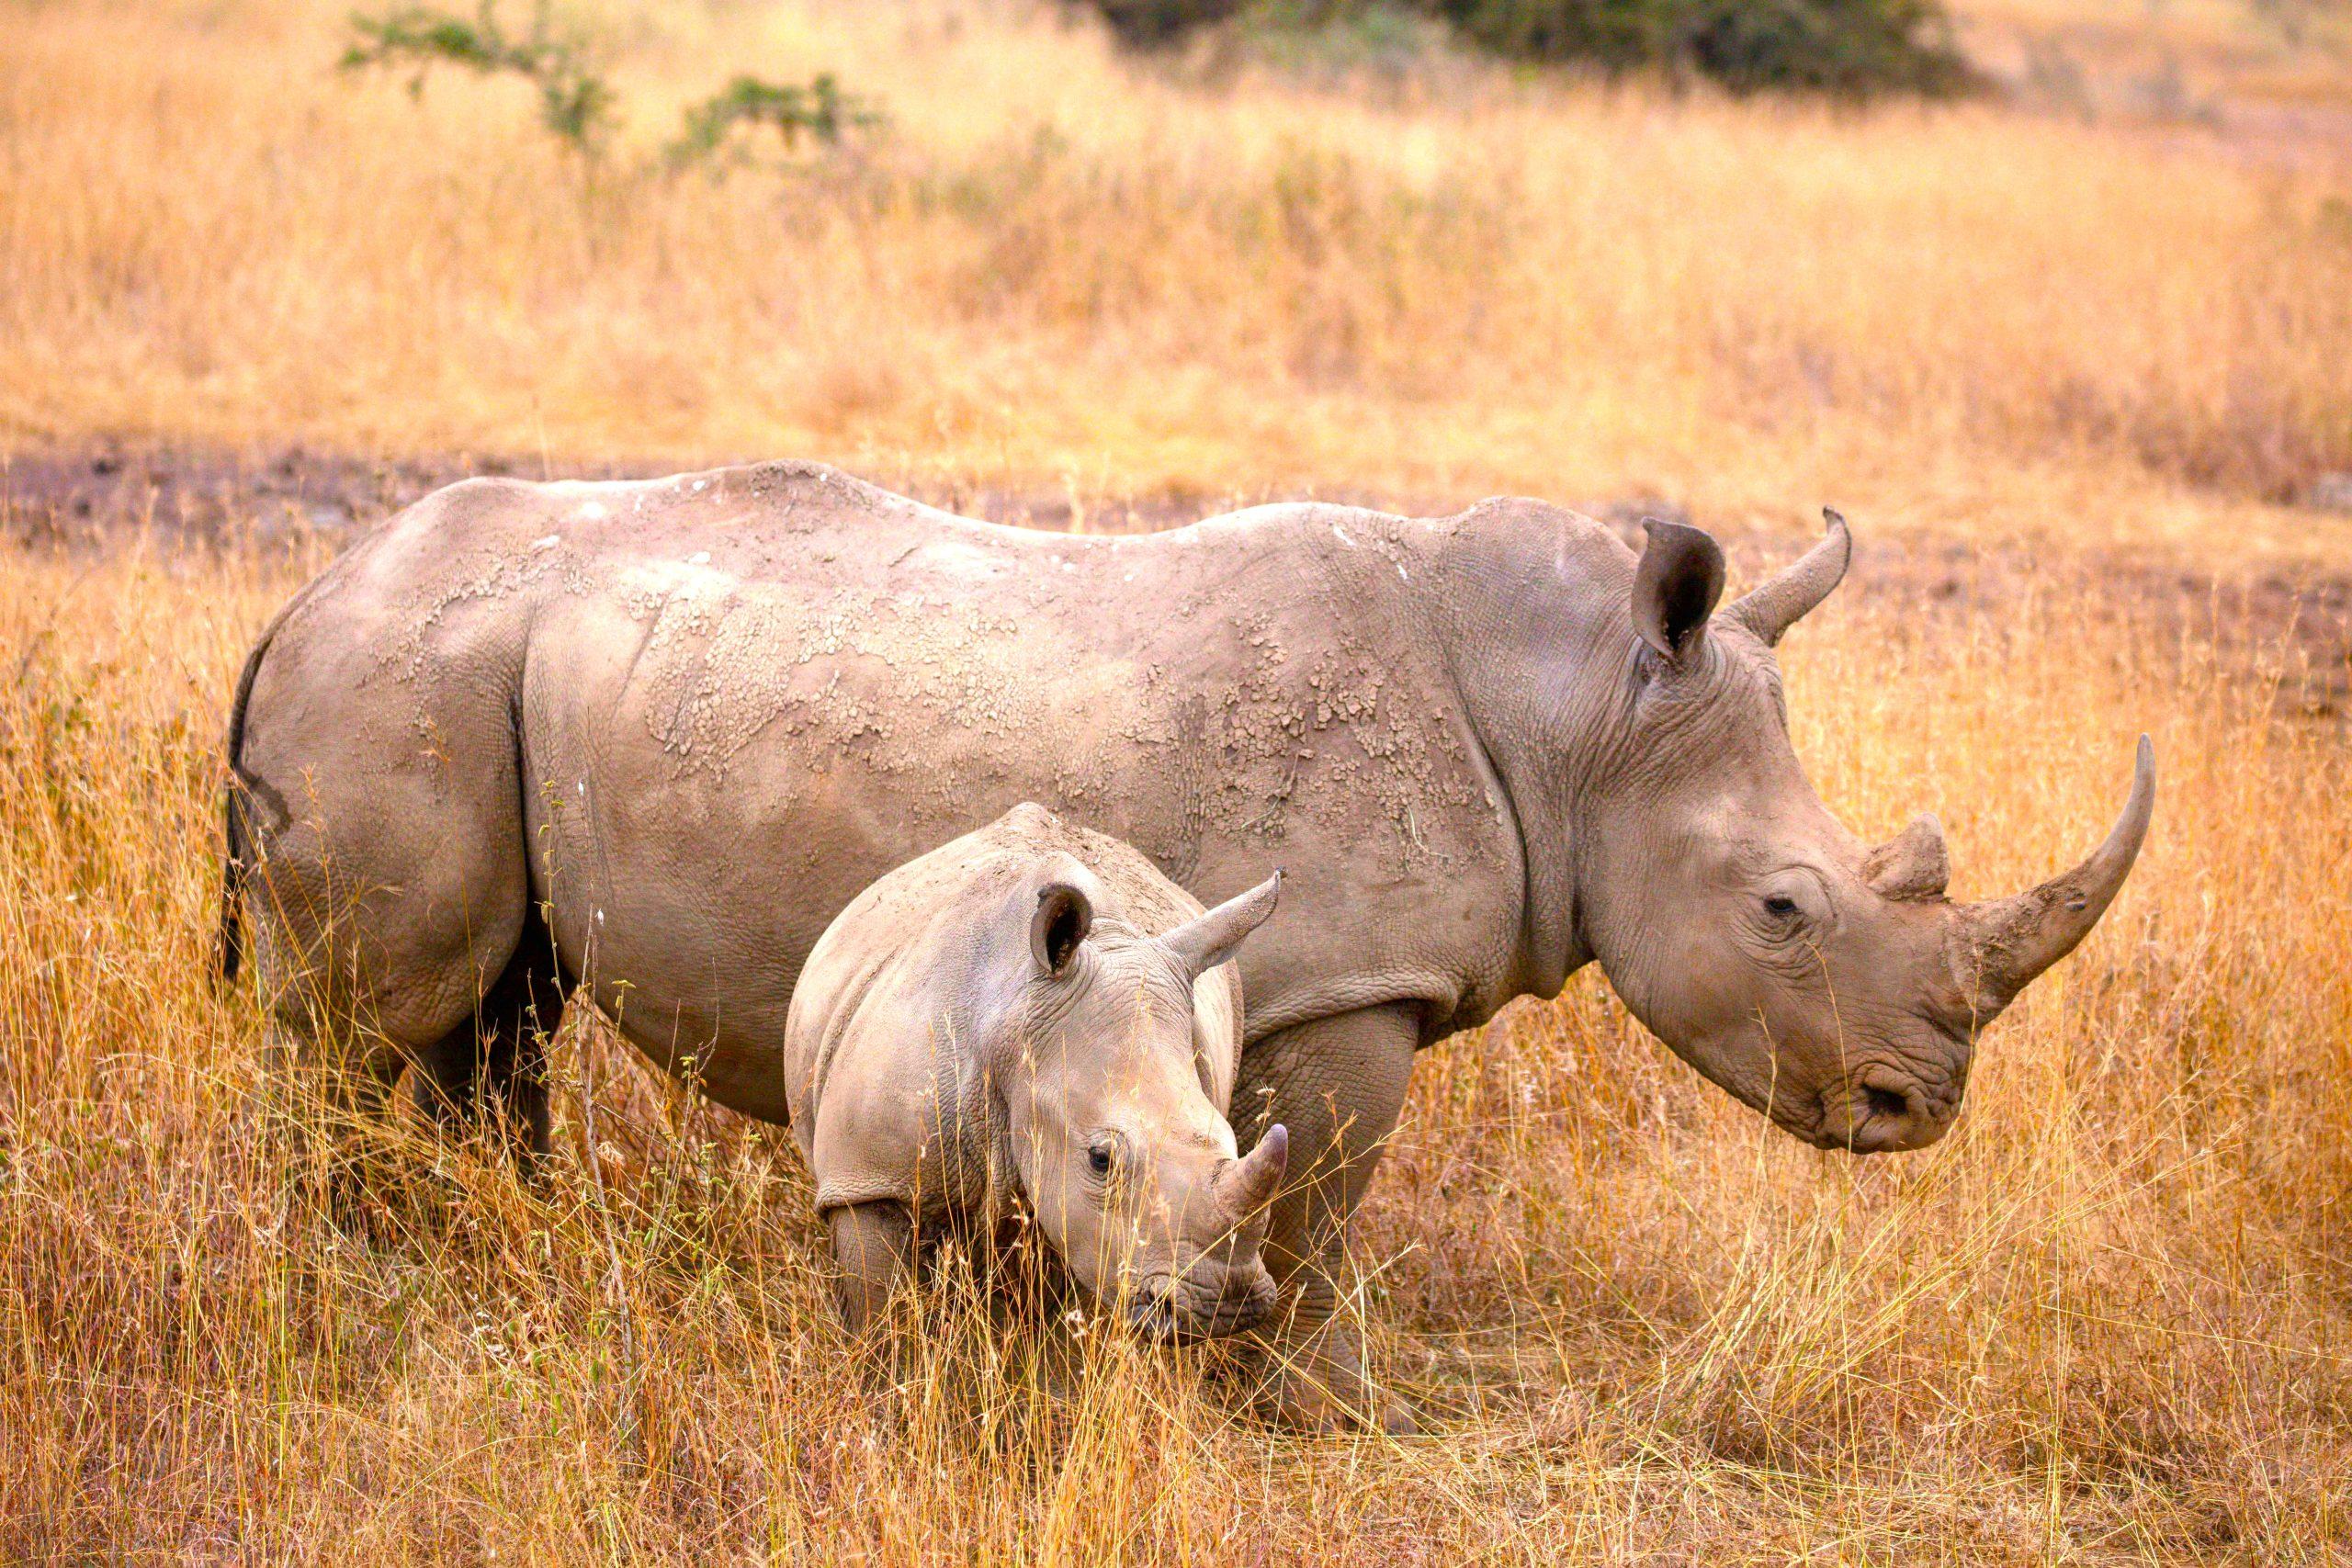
1098 1159
1779 905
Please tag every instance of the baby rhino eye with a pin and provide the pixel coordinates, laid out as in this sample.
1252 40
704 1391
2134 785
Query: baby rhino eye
1098 1159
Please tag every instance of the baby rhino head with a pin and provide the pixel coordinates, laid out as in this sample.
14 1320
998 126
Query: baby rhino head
1111 1102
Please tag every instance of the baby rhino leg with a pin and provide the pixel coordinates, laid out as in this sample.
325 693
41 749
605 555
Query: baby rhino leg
874 1251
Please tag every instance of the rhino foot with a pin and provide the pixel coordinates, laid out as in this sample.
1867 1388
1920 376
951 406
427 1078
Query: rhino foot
1320 1387
1301 1403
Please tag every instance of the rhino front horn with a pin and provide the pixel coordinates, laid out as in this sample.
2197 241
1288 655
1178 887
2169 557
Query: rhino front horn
1201 944
2011 940
1246 1185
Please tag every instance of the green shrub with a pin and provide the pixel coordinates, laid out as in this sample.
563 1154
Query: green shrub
1151 24
1837 45
1851 47
820 111
577 105
574 102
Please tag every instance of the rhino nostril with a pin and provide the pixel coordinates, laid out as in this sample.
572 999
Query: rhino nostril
1890 1103
1152 1308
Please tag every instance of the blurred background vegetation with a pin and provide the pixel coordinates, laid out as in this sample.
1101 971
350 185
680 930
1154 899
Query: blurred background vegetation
1843 46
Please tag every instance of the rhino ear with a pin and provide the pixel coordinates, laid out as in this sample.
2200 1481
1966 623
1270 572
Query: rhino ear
1676 587
1064 918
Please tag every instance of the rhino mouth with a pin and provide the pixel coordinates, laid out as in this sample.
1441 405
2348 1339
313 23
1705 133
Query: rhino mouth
1879 1110
1168 1307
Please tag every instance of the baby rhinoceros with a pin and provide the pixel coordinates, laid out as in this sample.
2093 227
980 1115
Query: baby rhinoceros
1034 1008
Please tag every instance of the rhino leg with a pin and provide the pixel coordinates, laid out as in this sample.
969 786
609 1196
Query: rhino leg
317 1091
494 1065
1337 1084
388 888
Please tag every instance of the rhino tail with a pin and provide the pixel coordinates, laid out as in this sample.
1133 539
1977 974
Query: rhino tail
237 794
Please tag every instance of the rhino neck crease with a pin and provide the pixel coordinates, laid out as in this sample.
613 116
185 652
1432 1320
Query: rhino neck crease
1537 648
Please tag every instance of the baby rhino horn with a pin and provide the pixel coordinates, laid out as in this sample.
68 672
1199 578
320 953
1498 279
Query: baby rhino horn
1200 945
1246 1185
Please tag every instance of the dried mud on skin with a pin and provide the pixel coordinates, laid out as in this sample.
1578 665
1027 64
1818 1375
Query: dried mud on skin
92 499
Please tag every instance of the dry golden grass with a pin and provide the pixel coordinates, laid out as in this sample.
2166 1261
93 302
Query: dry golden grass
1059 269
2109 1319
2104 1321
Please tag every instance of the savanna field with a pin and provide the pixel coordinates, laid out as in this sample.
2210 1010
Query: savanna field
2074 354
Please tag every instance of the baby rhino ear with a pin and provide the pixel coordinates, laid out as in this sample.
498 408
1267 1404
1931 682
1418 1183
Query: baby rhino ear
1200 945
1064 918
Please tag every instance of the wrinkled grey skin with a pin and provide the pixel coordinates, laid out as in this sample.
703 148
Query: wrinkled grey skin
692 718
1033 1011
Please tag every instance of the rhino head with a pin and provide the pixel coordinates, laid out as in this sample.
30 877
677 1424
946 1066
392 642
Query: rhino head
1826 983
1127 1162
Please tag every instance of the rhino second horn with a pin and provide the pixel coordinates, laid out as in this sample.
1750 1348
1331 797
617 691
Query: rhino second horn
1911 865
1248 1184
1201 944
1775 605
2011 940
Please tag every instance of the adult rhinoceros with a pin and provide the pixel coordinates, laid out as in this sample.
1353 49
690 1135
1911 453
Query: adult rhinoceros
654 736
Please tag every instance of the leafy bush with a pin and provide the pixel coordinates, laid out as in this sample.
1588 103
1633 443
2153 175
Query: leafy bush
574 102
579 106
820 111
